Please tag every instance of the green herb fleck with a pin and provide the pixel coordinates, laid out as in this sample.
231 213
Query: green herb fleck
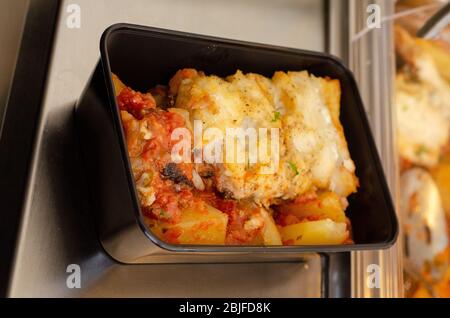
276 116
293 166
162 212
421 150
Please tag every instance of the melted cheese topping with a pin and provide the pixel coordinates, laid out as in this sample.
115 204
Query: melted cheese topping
313 152
422 105
422 127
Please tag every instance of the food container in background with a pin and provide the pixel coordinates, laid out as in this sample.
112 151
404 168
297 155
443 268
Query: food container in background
143 57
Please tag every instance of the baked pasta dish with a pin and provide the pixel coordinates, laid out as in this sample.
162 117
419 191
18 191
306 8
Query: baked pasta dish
241 160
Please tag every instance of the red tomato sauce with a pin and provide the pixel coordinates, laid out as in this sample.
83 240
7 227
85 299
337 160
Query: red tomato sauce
135 103
153 154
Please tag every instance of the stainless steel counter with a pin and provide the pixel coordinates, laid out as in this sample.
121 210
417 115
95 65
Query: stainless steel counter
57 226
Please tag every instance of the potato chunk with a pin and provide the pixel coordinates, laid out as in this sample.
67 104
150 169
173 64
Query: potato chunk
198 225
326 205
118 85
271 235
323 232
441 175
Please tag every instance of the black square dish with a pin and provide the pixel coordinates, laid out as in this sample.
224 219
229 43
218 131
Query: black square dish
143 57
